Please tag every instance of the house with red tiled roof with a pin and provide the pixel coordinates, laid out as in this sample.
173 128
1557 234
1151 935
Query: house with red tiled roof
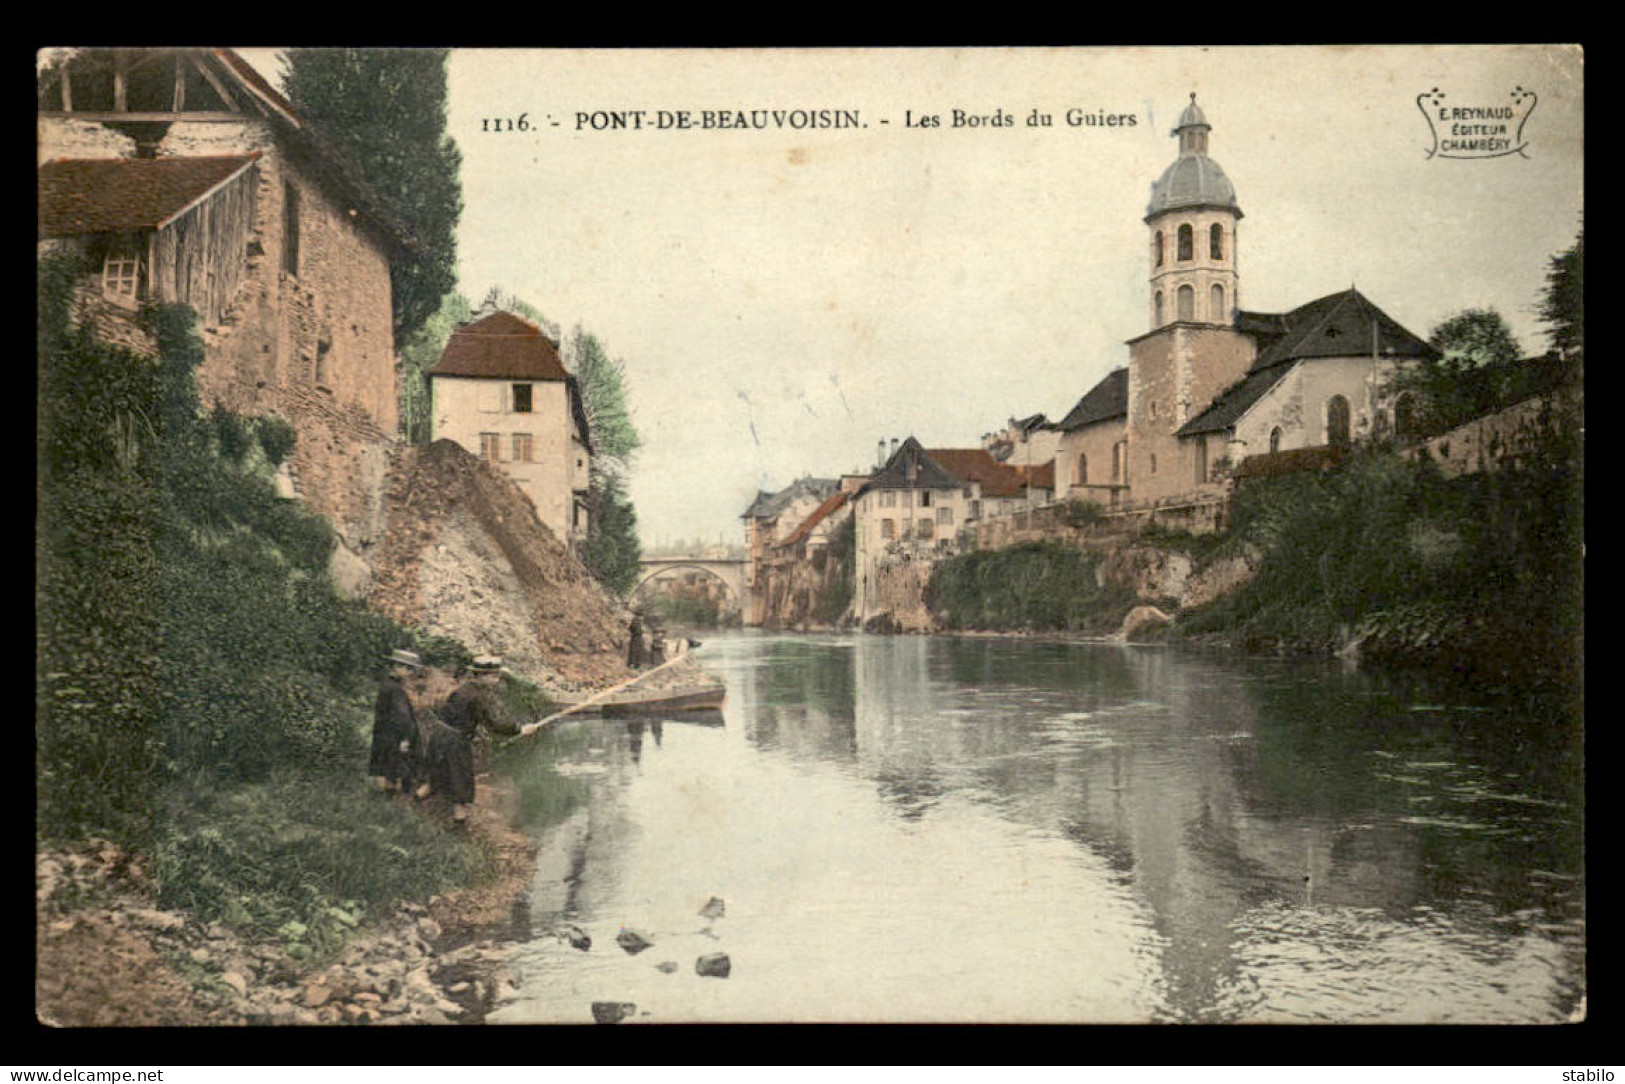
181 175
501 391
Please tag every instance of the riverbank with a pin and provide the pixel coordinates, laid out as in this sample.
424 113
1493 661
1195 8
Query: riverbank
108 956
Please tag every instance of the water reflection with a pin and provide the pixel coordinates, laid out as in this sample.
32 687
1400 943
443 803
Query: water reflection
1153 835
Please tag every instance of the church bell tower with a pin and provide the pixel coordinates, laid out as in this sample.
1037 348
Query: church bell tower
1192 220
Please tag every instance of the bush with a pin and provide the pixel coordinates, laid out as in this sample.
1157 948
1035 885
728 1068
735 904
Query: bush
277 437
1037 585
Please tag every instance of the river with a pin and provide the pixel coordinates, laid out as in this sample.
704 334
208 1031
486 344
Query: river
938 829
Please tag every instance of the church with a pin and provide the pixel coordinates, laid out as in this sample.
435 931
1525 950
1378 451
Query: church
1212 383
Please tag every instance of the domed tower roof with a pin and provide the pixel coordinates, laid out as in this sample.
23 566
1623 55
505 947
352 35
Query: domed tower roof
1194 179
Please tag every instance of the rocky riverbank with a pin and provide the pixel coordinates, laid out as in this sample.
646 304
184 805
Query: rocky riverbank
108 956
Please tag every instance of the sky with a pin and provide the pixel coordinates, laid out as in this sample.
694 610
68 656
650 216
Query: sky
785 297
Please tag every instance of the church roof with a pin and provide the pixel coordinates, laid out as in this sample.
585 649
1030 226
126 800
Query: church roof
503 346
1338 325
1194 180
1106 400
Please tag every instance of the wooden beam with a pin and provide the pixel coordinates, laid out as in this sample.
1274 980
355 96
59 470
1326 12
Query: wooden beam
151 58
119 102
219 87
67 87
215 116
180 83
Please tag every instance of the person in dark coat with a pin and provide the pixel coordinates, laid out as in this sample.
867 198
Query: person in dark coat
470 710
394 727
634 647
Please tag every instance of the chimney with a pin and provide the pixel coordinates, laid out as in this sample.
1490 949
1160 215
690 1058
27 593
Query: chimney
894 446
880 453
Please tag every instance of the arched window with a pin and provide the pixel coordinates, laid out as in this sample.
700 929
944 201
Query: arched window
1157 301
1215 242
1405 415
1083 469
1275 440
1156 248
1119 450
1201 459
1337 420
1216 312
1187 243
1187 303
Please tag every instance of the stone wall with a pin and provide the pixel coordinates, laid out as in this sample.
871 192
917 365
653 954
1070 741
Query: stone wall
1501 439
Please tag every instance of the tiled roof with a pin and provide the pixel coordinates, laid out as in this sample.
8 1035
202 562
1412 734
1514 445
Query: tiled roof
107 195
1340 325
1041 476
502 346
912 467
766 505
1106 400
819 514
975 465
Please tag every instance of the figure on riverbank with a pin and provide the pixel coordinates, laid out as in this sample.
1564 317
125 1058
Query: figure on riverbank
634 646
657 645
394 728
456 740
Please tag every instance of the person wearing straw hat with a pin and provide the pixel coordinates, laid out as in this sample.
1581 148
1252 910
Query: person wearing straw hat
394 727
471 709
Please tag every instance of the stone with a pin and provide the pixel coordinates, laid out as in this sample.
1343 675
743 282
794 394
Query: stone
1144 623
612 1012
429 929
714 909
632 941
666 967
458 987
715 965
368 997
316 995
576 937
236 982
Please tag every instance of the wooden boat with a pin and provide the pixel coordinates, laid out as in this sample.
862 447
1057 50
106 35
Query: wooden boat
681 699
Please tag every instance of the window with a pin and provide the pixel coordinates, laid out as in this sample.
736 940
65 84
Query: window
945 516
290 228
1187 303
888 528
1187 243
1215 242
1157 304
1118 451
1153 462
121 277
1337 420
1156 248
975 510
927 530
1083 469
1275 440
888 499
1201 459
925 498
521 398
524 448
1405 415
1216 312
491 447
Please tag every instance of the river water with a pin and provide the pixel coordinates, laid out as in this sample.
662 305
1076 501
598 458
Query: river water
933 829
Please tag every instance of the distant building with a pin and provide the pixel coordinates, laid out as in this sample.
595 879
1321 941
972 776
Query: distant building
1091 456
770 517
501 392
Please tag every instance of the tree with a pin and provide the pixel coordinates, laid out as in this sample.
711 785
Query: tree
1476 371
1478 336
1562 308
385 109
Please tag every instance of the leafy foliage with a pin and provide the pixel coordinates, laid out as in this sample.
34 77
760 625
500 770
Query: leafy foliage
386 110
1562 307
843 547
611 551
1035 585
420 352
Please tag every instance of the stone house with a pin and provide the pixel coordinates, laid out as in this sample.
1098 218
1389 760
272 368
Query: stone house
1026 442
911 511
501 391
181 175
786 508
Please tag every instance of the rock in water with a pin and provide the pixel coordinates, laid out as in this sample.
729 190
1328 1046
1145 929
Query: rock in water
576 936
632 941
716 965
1145 623
715 909
612 1012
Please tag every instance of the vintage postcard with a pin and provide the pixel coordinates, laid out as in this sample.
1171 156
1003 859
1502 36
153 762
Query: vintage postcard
850 535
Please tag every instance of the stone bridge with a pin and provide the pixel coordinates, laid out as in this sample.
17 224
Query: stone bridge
730 571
